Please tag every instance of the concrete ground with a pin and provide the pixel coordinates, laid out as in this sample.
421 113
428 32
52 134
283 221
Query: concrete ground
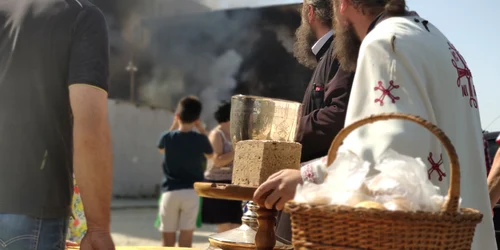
133 225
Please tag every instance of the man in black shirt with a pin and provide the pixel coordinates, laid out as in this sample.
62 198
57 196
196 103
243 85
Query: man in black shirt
53 120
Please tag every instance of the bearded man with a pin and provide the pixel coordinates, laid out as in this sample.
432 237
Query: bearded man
407 65
324 101
328 91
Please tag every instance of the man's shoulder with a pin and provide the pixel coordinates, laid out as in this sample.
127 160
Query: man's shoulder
82 10
91 11
62 12
81 4
385 31
404 35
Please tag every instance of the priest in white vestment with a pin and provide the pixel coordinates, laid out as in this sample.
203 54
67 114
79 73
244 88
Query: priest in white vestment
407 65
404 64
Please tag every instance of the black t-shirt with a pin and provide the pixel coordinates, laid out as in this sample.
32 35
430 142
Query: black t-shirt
41 53
184 161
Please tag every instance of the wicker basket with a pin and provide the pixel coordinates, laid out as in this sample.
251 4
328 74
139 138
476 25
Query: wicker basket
328 227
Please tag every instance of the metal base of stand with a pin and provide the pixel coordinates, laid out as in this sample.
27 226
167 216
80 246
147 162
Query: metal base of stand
243 237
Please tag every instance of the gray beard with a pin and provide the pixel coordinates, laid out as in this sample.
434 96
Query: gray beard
302 47
347 45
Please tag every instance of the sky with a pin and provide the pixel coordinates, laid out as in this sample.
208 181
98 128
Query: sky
466 23
226 4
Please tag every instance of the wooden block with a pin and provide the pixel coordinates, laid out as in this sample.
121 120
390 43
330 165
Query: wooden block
256 160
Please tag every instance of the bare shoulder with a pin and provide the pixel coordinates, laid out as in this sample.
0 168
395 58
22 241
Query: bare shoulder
213 135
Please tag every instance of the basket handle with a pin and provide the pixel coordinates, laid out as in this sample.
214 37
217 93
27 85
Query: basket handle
451 204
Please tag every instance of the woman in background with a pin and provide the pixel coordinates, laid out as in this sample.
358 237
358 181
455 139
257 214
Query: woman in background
225 214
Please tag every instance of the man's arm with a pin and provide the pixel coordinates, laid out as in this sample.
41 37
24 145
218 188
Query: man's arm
318 129
200 128
87 77
175 124
494 180
92 153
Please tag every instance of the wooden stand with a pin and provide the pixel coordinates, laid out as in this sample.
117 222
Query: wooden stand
265 237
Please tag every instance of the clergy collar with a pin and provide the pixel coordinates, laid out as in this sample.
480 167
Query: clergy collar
383 16
316 48
377 19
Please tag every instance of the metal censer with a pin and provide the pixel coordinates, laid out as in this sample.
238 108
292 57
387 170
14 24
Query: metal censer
257 118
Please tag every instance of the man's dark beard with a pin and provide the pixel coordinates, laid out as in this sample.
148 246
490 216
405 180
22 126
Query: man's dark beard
302 47
347 44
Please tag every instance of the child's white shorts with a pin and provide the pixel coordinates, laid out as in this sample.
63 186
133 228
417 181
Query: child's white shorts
179 210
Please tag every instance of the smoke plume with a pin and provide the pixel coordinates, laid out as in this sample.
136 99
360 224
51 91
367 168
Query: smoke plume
196 55
184 48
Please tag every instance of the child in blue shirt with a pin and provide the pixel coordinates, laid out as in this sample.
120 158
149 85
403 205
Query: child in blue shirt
185 155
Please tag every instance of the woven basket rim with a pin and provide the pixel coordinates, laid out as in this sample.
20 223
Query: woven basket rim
301 208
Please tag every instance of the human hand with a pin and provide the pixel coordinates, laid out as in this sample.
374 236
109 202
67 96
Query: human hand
198 124
175 123
278 189
71 244
97 240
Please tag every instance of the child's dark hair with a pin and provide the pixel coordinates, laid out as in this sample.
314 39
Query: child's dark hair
189 109
223 112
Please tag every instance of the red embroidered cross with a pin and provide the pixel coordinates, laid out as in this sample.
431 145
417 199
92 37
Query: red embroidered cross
463 72
386 92
436 166
309 173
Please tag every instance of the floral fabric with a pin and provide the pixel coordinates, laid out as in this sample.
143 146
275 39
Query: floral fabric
77 225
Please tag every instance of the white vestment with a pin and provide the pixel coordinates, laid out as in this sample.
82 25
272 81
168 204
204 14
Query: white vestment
407 65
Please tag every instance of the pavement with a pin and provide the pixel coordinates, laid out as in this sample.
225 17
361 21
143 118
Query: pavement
117 204
133 224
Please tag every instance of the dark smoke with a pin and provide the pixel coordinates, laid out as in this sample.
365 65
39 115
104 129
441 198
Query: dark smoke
209 54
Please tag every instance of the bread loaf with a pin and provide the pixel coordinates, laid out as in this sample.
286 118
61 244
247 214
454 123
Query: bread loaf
370 204
256 160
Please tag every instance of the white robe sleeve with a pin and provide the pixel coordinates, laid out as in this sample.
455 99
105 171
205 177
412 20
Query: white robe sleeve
386 82
314 171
